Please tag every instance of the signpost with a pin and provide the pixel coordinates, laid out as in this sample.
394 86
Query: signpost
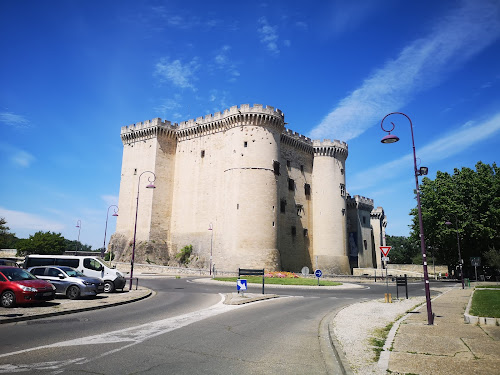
241 284
318 274
475 261
385 252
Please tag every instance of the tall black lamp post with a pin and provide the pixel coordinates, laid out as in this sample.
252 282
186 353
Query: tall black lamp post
149 186
459 254
422 171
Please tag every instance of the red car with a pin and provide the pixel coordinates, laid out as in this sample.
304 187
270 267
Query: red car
18 287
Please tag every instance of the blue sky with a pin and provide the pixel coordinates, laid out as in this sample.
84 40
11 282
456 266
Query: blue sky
73 72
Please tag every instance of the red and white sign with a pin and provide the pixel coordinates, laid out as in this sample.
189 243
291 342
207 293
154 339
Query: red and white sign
385 250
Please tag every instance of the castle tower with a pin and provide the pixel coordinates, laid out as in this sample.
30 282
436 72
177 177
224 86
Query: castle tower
148 146
329 207
378 223
359 232
252 144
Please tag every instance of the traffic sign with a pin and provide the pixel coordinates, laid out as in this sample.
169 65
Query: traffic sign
385 259
318 273
385 250
241 284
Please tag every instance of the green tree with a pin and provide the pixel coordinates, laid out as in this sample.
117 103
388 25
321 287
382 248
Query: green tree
7 239
403 249
469 200
41 243
72 245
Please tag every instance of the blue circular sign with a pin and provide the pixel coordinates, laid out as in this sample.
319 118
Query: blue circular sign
318 273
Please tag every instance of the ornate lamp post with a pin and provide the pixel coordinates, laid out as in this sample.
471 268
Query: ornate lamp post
149 186
459 255
106 229
79 226
391 138
211 229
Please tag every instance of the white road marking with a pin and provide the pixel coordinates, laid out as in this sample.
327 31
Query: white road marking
134 335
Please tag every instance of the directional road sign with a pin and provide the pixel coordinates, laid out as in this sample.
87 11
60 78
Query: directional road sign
241 284
318 273
385 250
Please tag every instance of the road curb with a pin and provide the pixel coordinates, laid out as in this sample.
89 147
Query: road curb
75 310
481 320
335 347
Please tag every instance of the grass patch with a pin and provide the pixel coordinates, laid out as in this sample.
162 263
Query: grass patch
281 281
486 303
377 341
488 286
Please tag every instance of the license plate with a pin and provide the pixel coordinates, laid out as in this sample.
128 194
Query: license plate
47 294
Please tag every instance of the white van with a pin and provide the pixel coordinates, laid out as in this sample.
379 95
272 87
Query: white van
89 266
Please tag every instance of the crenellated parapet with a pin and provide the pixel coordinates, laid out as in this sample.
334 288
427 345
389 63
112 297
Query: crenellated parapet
297 140
142 131
377 213
359 202
244 115
326 147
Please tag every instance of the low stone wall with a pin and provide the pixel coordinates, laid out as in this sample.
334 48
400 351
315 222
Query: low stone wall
418 268
154 269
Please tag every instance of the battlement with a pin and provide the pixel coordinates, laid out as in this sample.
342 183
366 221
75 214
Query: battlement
297 136
377 213
329 148
360 202
233 111
148 124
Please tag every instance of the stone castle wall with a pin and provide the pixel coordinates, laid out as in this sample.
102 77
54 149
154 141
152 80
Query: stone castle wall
220 171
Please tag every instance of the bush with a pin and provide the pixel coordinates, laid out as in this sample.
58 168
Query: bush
184 254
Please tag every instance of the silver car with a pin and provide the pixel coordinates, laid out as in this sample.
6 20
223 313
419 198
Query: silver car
69 281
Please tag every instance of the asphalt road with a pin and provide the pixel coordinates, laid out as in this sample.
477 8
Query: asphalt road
184 329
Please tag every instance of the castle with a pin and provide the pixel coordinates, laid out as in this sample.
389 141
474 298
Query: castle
245 192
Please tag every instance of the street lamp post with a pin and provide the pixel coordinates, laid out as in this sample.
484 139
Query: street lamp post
149 186
459 254
211 229
106 229
79 226
391 138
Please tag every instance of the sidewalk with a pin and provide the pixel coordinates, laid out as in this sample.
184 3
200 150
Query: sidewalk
63 305
450 346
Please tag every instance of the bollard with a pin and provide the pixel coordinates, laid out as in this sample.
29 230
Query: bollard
388 298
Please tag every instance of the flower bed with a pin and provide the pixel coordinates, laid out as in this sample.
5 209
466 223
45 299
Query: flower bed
281 275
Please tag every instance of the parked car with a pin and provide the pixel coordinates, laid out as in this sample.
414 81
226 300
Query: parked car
18 286
89 266
8 262
68 281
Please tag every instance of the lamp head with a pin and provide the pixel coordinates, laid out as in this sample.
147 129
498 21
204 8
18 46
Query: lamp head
390 138
151 186
115 214
423 171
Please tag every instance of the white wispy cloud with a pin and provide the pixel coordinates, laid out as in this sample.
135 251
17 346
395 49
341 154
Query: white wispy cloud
463 33
178 73
223 62
14 120
23 221
16 156
448 145
268 35
110 199
168 105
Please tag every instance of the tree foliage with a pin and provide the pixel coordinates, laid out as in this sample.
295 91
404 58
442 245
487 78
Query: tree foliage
403 250
42 243
469 200
7 239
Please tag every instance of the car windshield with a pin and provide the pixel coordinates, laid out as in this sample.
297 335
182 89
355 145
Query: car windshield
73 273
17 274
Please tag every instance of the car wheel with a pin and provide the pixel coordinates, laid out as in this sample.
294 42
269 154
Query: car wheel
73 292
8 299
109 286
